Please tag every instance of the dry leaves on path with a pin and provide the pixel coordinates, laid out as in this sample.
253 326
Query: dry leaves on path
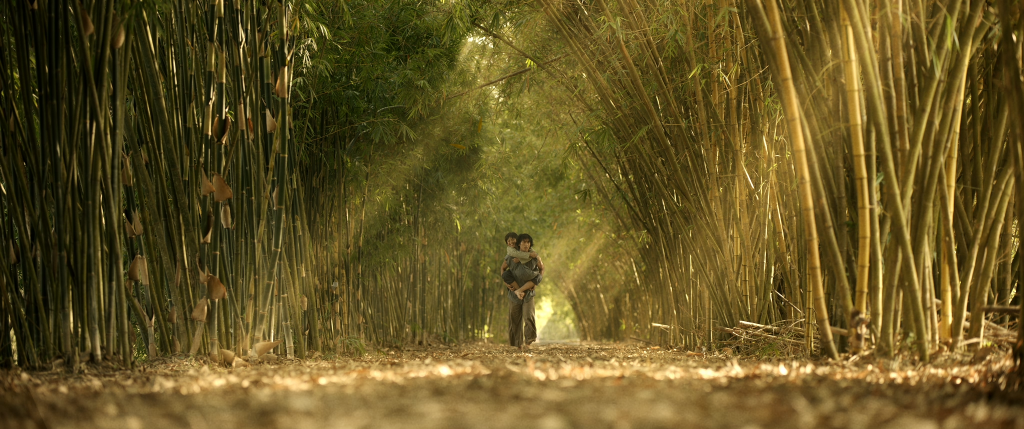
486 385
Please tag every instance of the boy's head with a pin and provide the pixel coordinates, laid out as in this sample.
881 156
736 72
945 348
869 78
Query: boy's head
511 239
525 242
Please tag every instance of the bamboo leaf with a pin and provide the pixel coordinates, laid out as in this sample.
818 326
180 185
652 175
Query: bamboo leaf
126 171
225 217
215 288
221 190
135 268
271 123
222 130
118 41
87 27
137 224
207 186
207 228
199 312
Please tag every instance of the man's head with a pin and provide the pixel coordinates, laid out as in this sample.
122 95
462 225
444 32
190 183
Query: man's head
511 239
525 242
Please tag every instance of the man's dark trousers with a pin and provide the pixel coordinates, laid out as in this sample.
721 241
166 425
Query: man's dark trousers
519 311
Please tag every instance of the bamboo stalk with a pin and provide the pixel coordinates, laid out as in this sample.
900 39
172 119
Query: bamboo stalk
772 30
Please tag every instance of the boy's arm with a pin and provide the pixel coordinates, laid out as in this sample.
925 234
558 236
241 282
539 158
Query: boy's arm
540 264
524 256
504 266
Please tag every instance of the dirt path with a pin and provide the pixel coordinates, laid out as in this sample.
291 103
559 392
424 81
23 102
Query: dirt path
488 386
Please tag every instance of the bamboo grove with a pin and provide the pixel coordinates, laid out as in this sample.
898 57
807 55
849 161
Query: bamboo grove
852 166
227 178
157 201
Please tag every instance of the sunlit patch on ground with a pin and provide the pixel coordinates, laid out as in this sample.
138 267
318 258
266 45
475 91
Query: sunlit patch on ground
549 386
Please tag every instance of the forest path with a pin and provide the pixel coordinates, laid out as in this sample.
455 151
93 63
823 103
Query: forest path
493 386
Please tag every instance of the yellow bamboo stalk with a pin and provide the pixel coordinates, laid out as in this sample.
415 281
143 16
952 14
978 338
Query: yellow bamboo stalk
853 104
945 279
877 113
791 107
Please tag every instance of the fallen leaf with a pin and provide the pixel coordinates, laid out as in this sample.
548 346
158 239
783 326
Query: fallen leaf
261 348
227 356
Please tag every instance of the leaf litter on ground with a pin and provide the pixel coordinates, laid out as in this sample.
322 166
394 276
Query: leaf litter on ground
547 386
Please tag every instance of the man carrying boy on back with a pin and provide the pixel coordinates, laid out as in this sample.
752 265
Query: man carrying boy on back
521 267
515 256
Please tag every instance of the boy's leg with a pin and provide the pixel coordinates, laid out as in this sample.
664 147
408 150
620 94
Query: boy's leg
530 319
510 280
528 287
515 321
